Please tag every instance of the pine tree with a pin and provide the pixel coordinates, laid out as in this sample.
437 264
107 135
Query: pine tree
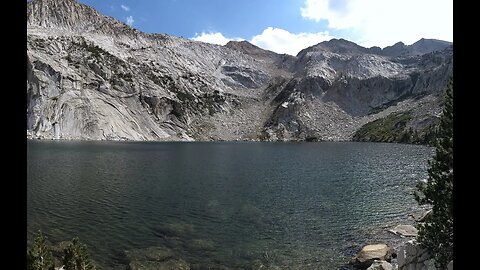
76 257
39 257
436 234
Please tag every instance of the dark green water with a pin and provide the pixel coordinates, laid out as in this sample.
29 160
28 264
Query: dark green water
292 205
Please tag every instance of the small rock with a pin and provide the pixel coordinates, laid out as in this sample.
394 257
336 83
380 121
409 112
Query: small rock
380 265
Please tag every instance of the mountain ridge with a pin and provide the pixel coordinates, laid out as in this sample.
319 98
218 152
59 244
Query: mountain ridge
90 76
420 47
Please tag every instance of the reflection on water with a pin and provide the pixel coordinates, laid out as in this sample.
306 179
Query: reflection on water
220 205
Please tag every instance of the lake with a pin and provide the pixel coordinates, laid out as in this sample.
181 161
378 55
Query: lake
236 205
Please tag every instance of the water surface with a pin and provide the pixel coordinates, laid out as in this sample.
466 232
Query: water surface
292 205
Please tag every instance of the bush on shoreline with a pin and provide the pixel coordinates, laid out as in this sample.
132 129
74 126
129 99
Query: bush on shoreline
75 255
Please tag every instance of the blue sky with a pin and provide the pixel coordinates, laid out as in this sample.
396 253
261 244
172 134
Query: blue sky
287 26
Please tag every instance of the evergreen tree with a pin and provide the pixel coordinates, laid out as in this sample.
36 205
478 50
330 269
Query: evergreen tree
76 257
39 257
436 234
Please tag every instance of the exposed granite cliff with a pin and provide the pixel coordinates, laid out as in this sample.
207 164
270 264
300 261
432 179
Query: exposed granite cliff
90 76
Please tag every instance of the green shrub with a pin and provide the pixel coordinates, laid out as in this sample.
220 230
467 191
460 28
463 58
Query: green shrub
436 234
76 256
39 257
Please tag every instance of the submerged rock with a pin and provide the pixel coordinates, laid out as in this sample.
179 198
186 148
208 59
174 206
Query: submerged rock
209 266
150 254
201 245
173 229
173 264
259 265
370 253
160 258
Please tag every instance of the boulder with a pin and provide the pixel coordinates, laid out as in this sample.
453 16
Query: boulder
404 230
425 216
380 265
370 253
412 256
450 265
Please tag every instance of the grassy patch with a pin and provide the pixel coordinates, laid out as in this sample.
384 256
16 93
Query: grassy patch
393 128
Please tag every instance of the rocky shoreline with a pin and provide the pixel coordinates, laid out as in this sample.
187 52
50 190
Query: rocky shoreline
405 254
392 247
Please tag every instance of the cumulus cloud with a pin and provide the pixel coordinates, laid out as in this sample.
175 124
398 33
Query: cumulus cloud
281 41
130 20
126 8
273 39
214 38
385 22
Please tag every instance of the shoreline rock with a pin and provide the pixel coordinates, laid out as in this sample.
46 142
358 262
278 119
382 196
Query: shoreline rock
370 253
404 230
380 265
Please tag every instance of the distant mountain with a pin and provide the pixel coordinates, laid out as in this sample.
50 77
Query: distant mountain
340 46
90 76
343 46
420 47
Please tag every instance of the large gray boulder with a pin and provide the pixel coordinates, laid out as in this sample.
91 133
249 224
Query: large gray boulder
370 253
412 256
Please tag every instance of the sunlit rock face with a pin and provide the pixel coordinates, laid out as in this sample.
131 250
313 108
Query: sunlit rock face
90 76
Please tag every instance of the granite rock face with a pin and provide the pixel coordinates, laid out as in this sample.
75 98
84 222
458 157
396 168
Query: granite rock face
90 76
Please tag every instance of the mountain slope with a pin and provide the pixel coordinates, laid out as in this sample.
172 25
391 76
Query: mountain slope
90 76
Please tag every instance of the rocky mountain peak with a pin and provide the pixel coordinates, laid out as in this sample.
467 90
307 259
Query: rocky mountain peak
420 47
72 16
340 46
248 48
429 45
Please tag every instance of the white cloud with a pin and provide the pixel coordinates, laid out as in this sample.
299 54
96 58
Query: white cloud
126 8
273 39
214 38
130 20
385 22
282 41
